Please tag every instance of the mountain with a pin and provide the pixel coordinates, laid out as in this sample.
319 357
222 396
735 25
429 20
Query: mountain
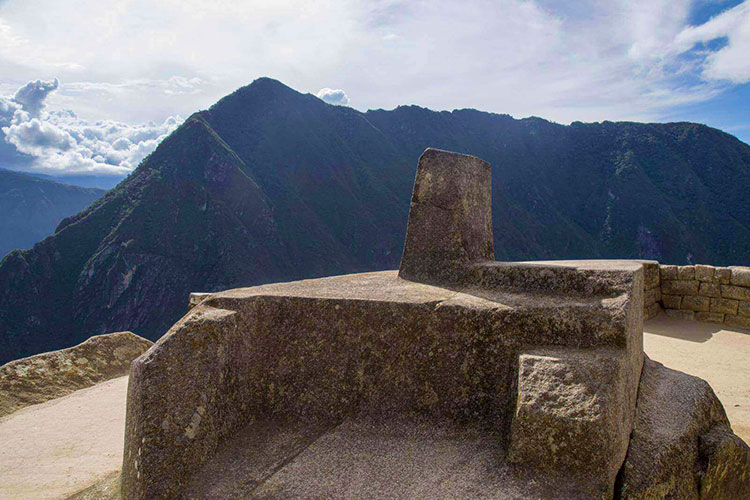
93 181
273 185
32 207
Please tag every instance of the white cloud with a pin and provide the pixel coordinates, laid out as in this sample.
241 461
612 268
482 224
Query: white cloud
7 109
35 138
732 61
61 142
31 96
586 60
333 96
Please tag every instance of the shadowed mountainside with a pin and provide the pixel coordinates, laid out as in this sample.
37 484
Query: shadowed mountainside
32 207
273 185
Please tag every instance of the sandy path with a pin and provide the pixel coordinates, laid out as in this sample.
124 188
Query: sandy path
54 449
708 351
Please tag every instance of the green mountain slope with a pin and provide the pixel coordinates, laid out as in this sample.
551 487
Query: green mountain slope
272 185
32 207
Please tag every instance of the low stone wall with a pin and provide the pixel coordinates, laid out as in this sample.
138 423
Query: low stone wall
699 292
651 289
50 375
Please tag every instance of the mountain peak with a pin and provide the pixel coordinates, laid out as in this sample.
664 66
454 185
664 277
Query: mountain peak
266 85
261 91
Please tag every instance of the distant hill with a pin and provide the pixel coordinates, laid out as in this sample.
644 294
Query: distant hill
272 185
32 207
95 181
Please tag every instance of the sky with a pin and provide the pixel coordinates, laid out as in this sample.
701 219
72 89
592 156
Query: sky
92 86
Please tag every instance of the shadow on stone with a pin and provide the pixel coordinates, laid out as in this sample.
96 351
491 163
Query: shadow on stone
456 376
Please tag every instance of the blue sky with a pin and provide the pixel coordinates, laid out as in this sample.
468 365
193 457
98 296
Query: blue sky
110 78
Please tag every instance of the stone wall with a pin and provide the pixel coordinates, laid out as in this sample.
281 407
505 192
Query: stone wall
699 292
651 289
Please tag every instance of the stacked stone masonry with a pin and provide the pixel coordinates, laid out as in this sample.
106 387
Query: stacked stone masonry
651 289
700 292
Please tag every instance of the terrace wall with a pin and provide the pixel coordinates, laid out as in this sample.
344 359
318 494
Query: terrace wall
700 292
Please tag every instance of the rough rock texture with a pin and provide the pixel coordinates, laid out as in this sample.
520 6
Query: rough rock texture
50 375
652 296
573 415
450 223
727 465
706 293
337 348
682 445
472 378
378 348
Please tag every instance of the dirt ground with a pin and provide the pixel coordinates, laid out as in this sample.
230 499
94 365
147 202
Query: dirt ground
709 351
55 449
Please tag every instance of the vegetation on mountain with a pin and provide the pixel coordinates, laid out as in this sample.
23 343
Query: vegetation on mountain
31 207
273 185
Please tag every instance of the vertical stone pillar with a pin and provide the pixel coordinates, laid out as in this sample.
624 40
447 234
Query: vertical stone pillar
450 218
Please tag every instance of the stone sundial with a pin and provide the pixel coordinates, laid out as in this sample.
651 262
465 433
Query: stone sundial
455 377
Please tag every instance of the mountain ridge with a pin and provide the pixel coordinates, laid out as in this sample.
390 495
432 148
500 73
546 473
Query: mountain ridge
32 207
269 184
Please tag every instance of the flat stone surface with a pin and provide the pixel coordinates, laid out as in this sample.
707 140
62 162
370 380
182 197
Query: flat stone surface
252 456
55 449
712 352
386 286
362 459
589 265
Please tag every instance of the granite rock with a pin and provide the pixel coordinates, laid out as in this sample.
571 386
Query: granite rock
685 272
651 311
740 276
680 287
671 301
345 347
722 275
695 303
455 376
567 421
651 296
727 465
50 375
450 219
668 272
735 292
710 317
710 290
704 273
737 321
683 314
682 445
651 271
724 306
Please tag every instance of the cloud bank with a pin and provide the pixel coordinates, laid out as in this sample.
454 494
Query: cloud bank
333 96
60 142
32 95
586 60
